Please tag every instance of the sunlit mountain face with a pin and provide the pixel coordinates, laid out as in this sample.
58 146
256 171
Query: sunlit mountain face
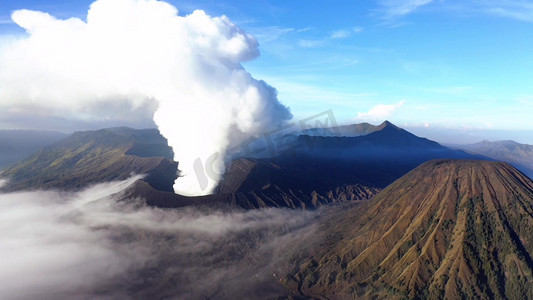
443 224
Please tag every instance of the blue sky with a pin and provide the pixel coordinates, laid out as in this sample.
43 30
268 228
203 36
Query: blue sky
463 66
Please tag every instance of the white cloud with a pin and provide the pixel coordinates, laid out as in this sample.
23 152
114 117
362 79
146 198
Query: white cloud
311 43
518 10
274 33
335 35
380 112
185 71
521 10
271 33
304 29
358 29
340 34
398 8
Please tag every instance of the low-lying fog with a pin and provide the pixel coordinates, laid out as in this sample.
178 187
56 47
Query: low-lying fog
91 244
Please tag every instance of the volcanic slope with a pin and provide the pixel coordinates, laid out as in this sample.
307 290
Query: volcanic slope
449 229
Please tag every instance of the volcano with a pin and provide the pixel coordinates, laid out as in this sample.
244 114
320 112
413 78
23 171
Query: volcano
449 229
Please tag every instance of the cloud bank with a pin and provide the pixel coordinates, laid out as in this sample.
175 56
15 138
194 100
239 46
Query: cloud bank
134 59
90 244
380 112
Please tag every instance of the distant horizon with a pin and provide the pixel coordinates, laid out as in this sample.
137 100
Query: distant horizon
444 136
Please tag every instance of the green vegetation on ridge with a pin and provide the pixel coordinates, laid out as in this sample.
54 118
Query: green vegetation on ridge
96 156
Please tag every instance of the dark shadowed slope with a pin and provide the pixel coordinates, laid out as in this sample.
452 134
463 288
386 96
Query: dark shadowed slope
16 145
448 229
375 160
519 155
96 156
252 189
322 163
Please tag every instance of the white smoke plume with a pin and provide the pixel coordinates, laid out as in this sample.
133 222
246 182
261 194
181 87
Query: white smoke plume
131 58
93 244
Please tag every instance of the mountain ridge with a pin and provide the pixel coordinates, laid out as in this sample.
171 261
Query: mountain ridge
96 156
310 172
314 171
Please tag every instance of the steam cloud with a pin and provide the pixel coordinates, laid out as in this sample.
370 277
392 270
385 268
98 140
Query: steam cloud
132 59
90 245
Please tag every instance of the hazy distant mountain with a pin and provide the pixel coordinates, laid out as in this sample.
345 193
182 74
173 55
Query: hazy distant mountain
519 155
16 145
449 229
89 157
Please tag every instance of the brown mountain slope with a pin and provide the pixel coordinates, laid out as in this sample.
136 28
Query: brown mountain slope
448 229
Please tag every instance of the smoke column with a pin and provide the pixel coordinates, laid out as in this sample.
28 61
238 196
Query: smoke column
140 57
